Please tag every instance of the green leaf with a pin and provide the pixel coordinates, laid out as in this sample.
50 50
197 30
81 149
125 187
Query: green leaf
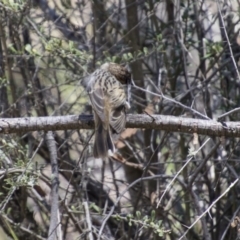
130 55
153 215
28 48
71 45
138 214
145 50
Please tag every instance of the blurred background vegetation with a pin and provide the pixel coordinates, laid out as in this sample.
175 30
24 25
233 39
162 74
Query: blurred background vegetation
186 50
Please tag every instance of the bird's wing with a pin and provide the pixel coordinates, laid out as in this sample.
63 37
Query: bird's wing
118 119
98 102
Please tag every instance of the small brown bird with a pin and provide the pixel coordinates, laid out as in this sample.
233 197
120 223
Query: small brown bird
109 102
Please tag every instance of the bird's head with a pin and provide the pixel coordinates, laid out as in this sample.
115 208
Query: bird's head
121 73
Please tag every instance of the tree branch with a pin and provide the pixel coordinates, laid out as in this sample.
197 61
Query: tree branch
161 122
54 230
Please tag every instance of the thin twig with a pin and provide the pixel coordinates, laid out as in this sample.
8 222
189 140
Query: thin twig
174 101
228 42
88 219
169 185
229 113
127 189
32 233
207 210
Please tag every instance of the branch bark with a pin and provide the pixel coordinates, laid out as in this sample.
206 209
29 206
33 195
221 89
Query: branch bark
160 122
54 231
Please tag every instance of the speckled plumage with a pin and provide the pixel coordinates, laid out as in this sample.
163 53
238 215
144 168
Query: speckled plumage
109 102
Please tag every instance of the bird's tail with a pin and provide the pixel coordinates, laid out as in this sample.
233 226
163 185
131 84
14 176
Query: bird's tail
103 144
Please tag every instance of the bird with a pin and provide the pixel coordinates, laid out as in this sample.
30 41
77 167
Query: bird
106 88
